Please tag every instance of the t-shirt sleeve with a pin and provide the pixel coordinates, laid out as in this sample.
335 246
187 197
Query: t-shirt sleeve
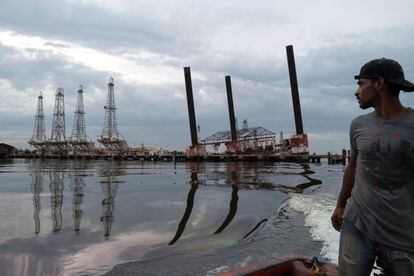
353 148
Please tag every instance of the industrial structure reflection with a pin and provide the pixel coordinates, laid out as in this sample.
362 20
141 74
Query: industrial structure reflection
56 187
239 176
190 203
311 182
109 186
233 180
36 188
77 186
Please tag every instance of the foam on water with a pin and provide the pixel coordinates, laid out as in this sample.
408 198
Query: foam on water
318 209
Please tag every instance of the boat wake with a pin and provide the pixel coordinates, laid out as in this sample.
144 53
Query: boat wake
317 209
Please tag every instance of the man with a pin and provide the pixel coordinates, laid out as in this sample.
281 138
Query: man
375 208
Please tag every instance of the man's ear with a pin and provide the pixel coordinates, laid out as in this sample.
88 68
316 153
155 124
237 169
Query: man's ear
380 83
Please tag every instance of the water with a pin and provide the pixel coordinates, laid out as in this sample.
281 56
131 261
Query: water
84 217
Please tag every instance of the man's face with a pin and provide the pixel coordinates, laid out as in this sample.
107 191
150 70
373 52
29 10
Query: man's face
367 93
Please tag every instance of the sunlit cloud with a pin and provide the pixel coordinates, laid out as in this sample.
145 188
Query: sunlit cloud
123 65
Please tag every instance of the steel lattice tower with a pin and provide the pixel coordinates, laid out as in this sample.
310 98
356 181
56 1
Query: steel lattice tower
111 138
58 126
79 129
39 134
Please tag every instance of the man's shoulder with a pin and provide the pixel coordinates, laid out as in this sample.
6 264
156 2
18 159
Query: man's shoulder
364 118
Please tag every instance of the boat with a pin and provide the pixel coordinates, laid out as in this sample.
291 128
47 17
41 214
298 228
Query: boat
287 266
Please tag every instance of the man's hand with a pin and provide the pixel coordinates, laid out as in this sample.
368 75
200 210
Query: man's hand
336 218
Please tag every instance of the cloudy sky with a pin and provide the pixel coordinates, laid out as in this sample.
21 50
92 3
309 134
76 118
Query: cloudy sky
144 45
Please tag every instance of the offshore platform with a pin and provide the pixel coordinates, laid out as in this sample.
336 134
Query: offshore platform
78 144
247 143
254 143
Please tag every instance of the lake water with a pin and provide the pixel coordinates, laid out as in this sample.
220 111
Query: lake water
84 217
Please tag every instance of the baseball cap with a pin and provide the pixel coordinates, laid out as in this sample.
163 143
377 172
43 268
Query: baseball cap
389 69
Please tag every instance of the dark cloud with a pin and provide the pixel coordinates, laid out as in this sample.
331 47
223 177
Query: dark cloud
215 40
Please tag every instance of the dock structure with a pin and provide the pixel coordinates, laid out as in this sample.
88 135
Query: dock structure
337 158
182 157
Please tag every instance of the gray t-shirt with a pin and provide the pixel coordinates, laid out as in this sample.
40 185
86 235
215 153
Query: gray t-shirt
382 200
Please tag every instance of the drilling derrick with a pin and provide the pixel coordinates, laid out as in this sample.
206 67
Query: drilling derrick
79 139
111 139
39 135
57 142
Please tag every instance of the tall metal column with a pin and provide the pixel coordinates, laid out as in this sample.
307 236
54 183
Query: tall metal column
231 109
295 90
190 103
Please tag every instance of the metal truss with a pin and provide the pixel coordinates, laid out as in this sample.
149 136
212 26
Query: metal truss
245 134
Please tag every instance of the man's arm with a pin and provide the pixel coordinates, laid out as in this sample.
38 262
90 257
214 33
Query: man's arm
347 185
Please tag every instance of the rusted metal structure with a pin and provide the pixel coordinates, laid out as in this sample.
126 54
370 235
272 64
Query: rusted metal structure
39 134
295 90
190 104
57 144
111 139
232 118
258 139
233 145
195 149
78 143
58 126
79 140
250 139
298 144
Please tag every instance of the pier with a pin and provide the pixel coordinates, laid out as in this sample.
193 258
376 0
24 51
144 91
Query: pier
183 157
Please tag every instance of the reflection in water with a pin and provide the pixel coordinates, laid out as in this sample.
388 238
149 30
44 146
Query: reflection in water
312 181
188 209
254 229
109 188
239 176
56 187
234 201
36 189
77 186
233 172
232 209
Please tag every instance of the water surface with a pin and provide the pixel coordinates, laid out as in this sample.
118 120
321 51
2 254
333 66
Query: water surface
82 217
